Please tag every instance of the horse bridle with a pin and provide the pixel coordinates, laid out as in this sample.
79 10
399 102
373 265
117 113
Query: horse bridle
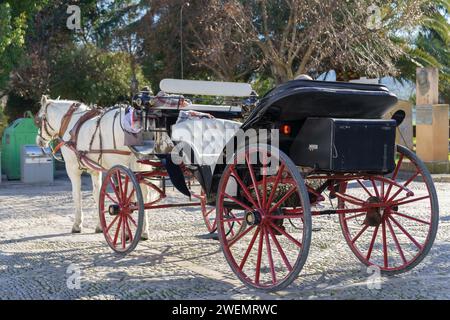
43 124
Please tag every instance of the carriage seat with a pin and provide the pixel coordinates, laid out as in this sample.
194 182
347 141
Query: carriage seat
206 137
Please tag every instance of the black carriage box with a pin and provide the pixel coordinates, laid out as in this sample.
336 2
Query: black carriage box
346 145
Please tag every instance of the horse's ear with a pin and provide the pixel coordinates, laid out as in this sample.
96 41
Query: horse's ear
44 100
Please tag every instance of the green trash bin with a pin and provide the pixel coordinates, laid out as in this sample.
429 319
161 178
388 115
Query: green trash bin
21 132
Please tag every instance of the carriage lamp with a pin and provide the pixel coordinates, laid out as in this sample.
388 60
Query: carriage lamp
138 102
286 129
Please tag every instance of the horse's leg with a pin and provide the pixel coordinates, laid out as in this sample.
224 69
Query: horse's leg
75 178
96 183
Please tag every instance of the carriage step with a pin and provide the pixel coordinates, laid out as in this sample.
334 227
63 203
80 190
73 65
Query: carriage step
145 151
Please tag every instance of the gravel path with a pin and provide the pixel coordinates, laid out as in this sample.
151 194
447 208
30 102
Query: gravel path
40 259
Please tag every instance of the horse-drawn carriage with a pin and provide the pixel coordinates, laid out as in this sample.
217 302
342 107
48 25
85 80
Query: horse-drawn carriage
307 148
333 146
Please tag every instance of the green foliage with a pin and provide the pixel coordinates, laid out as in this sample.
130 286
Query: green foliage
14 19
435 52
155 69
3 122
11 40
92 75
263 84
430 48
18 105
124 39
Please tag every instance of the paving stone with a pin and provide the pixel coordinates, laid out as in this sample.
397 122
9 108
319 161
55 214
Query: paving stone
36 249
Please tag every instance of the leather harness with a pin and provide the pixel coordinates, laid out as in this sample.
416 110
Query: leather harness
67 117
74 132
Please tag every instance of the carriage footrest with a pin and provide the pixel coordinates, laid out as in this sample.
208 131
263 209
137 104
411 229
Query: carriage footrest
145 151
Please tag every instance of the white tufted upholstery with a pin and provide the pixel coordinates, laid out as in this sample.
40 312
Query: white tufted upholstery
207 137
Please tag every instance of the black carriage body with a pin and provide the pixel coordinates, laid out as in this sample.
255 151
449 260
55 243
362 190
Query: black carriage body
362 147
300 99
345 145
334 126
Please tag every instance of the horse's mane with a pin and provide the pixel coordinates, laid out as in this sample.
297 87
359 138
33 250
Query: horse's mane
64 101
45 100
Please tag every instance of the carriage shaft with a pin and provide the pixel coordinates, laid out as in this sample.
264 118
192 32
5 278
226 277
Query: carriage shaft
173 205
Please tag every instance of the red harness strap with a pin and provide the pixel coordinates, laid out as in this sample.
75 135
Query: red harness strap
58 146
66 119
64 125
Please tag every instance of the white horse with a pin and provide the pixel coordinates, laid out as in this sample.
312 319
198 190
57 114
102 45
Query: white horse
50 118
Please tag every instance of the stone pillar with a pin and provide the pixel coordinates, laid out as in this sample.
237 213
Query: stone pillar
432 122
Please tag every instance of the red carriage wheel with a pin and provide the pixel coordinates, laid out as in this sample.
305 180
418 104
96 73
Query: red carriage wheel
209 216
268 252
236 223
121 209
399 216
208 213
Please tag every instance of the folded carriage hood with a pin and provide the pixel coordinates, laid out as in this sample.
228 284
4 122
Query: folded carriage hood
300 99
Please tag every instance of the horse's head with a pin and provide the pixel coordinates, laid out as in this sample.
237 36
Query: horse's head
45 131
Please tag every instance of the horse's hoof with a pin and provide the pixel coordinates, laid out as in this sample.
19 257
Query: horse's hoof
76 230
98 230
145 237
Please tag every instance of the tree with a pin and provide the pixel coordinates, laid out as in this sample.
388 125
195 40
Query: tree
93 75
150 30
160 55
265 41
430 47
17 105
45 37
119 27
303 36
55 60
3 121
14 18
218 44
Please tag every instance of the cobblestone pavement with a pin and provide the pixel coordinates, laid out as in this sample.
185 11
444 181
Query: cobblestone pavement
36 250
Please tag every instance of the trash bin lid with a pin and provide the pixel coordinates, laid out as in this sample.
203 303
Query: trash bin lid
35 151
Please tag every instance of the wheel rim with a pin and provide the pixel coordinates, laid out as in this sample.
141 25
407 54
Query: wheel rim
396 237
209 213
267 253
209 216
121 209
